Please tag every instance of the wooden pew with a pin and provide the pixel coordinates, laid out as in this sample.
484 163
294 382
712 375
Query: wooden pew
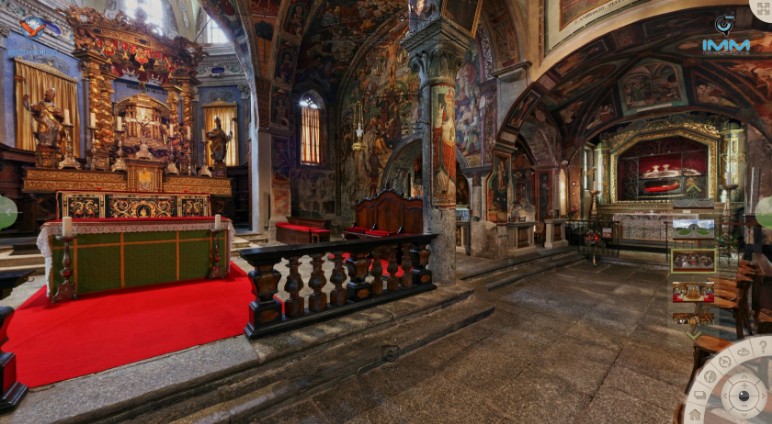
387 214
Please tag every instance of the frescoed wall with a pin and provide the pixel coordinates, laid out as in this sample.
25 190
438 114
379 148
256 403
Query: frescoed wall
383 88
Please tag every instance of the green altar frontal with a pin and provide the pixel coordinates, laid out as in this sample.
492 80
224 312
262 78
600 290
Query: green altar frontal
116 260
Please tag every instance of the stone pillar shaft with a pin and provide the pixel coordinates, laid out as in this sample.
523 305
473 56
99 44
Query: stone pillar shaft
436 54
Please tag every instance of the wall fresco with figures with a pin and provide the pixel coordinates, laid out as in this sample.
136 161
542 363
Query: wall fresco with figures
384 89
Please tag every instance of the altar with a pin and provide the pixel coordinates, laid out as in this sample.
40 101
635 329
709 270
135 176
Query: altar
108 254
139 158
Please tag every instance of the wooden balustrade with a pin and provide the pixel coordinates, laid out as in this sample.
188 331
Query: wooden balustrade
368 285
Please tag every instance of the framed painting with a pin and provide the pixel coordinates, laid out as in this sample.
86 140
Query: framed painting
693 261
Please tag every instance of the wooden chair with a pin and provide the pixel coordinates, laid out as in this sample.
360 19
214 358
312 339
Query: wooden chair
706 346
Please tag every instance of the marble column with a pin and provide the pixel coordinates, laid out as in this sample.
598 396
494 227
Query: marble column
436 54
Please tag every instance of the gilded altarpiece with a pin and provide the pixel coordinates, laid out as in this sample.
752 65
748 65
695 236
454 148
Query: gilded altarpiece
692 172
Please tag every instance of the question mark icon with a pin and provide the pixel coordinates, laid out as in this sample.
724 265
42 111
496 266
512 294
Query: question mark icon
763 344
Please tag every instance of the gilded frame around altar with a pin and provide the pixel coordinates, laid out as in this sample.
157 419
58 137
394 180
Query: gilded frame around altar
618 143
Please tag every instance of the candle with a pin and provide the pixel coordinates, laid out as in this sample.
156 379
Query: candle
67 226
66 117
188 131
171 128
35 126
749 209
92 121
119 123
217 221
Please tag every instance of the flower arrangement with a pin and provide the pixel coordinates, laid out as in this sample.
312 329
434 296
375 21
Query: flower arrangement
592 239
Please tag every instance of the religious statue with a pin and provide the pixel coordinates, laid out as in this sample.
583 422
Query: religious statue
219 140
49 119
218 147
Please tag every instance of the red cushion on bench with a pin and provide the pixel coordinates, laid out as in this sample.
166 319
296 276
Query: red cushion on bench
292 227
377 233
318 230
356 229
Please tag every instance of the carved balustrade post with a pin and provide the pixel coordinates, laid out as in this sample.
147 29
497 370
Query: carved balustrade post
338 294
419 255
392 283
294 306
407 265
377 272
317 302
358 265
264 309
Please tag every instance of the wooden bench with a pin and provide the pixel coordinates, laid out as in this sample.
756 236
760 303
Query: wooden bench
309 222
289 233
386 215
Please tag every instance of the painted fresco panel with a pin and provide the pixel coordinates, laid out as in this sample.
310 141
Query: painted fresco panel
652 84
443 147
567 17
498 186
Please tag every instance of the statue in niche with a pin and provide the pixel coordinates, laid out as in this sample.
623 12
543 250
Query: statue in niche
219 141
49 119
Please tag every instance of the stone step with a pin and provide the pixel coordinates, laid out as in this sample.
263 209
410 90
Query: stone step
8 260
257 238
515 275
506 266
231 378
239 243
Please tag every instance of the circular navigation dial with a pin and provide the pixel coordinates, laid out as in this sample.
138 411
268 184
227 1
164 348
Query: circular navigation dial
744 395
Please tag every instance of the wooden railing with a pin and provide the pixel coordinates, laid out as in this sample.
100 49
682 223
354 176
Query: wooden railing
367 284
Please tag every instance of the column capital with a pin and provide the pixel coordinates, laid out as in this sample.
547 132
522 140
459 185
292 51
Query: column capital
437 51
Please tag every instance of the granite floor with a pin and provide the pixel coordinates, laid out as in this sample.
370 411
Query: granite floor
582 344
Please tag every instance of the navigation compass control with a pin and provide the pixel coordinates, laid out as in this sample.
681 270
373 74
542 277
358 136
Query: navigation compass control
744 395
728 387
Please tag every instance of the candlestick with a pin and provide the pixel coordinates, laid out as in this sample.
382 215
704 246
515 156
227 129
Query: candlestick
92 121
67 226
66 117
749 209
217 221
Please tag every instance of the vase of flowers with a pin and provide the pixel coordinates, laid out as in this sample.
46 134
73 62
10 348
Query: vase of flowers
593 240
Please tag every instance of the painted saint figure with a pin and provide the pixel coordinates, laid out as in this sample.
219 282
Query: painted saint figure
49 118
444 148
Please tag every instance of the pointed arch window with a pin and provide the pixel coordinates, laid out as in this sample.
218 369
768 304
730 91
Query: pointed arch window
310 130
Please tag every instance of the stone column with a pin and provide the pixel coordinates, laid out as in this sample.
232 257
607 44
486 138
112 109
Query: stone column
734 162
436 54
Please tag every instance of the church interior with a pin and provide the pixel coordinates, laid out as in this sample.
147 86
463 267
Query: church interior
320 211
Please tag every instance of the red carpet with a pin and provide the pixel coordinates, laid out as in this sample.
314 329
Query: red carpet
102 331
